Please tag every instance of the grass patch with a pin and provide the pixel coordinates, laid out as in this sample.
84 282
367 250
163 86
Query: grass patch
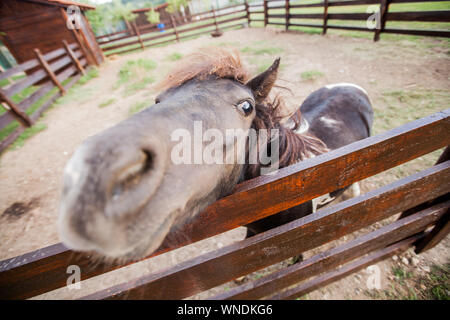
91 74
408 285
28 133
134 75
311 75
174 56
136 107
107 103
262 51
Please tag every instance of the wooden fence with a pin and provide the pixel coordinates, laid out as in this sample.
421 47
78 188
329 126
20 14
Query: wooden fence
422 197
50 70
270 12
291 10
140 37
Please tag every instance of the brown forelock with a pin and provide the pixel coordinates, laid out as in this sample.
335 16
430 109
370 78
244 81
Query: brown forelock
223 64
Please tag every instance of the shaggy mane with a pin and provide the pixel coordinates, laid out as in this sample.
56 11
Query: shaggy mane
207 62
224 64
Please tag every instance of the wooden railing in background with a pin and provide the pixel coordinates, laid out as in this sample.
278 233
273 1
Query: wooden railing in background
45 269
140 37
267 6
145 35
52 69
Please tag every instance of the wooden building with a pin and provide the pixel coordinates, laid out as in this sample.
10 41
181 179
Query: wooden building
164 16
42 24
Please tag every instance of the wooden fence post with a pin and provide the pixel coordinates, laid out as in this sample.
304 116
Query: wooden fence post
49 71
21 116
247 10
136 31
75 61
266 13
287 8
325 17
384 7
215 20
174 26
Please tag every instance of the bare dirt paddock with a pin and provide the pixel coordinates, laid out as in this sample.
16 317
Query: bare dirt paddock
406 79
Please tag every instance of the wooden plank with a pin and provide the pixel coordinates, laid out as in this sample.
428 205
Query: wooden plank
19 68
384 8
120 45
334 257
49 72
287 14
438 233
299 16
20 116
54 54
256 199
72 56
427 16
427 33
325 16
278 244
346 270
352 3
309 25
247 12
349 28
52 99
11 138
111 34
5 119
35 96
25 83
174 26
138 34
266 13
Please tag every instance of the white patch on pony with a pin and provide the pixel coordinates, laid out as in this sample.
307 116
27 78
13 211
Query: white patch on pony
321 201
304 126
345 84
72 169
356 190
329 122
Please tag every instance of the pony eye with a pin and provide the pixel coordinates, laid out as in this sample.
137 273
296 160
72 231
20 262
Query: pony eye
246 107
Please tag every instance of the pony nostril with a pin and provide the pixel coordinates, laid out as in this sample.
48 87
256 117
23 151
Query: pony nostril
130 176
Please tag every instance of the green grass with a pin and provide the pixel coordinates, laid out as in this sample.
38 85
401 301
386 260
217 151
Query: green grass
410 285
261 51
136 107
91 74
107 103
28 133
311 75
174 56
135 75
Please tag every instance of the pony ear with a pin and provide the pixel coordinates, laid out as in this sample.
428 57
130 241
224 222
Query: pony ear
263 83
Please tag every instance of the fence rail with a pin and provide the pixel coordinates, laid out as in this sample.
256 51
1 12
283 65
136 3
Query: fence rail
44 270
60 68
142 36
292 11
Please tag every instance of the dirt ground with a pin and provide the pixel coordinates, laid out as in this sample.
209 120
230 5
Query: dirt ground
406 79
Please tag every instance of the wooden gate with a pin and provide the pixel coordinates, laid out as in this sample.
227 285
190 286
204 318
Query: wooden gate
423 198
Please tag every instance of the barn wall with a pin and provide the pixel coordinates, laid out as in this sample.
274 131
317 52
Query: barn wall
31 25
